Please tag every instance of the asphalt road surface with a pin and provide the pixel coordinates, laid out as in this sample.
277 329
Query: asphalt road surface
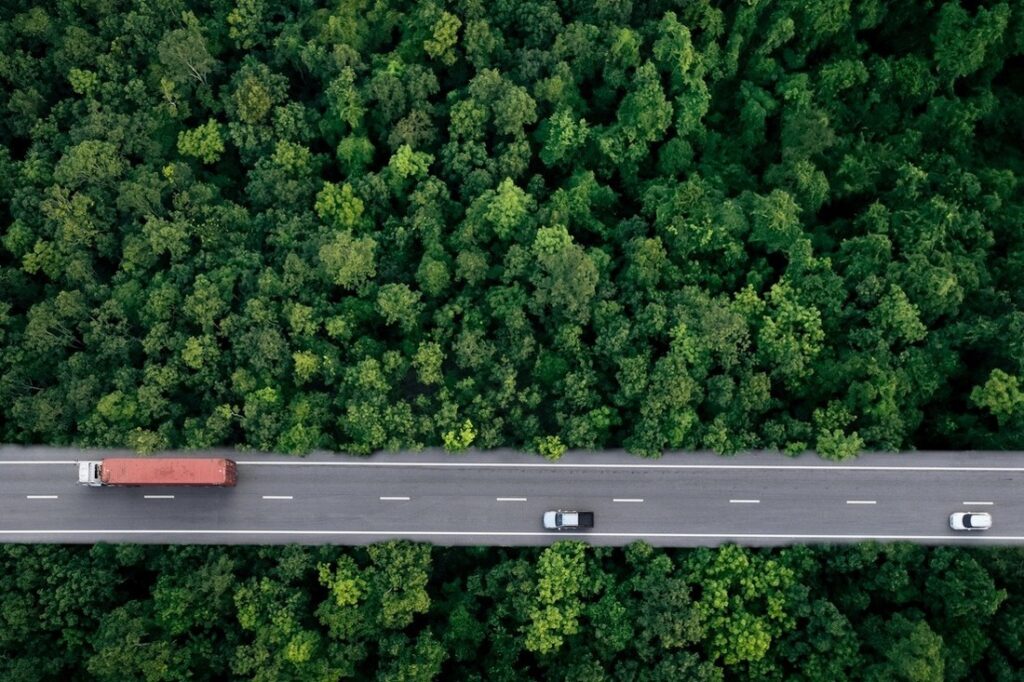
498 497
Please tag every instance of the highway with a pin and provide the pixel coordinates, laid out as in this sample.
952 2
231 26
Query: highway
497 498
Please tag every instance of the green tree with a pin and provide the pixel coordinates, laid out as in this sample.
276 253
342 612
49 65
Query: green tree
338 206
558 607
204 142
909 649
1001 396
961 41
282 645
566 278
183 52
441 44
349 262
397 303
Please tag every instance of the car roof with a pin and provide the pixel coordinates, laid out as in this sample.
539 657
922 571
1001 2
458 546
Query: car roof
978 519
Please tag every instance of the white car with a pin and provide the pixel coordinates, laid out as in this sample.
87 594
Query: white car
568 520
970 521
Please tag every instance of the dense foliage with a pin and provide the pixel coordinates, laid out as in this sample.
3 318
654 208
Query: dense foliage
400 611
373 224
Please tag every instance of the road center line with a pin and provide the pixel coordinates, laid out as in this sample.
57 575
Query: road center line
159 497
395 498
41 497
627 499
984 503
277 497
744 501
510 499
861 502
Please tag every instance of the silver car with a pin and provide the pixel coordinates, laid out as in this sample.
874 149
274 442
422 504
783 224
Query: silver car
970 521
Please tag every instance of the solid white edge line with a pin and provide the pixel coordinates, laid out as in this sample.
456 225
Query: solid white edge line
744 501
277 497
510 499
627 499
38 461
984 503
401 499
862 502
549 534
41 497
159 497
588 465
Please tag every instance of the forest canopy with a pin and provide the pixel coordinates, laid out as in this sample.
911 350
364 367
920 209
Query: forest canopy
548 224
567 613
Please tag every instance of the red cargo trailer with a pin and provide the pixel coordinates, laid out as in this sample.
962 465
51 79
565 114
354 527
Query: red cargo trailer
158 471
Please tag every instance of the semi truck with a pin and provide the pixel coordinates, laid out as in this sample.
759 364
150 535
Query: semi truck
568 520
113 471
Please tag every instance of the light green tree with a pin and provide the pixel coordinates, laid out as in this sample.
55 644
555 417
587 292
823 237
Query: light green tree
203 142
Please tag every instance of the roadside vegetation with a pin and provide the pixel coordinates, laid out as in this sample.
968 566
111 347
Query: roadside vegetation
532 223
542 224
400 611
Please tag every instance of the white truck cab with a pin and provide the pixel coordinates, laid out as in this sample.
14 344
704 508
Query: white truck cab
89 473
